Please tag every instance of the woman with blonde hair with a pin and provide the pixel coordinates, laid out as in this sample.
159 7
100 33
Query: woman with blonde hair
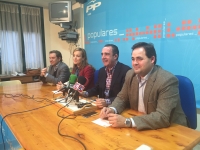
81 68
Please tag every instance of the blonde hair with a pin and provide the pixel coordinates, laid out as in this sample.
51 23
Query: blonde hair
83 63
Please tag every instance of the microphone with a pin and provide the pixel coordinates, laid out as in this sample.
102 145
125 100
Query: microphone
78 87
72 79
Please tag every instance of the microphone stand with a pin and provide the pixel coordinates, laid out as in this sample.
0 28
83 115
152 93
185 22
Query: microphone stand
63 92
76 97
68 95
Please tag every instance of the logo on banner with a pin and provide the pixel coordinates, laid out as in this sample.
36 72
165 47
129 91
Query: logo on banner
92 5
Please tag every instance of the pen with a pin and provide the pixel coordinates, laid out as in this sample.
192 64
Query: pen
131 114
97 98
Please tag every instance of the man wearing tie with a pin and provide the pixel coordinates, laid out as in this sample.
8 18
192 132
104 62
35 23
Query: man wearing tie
58 70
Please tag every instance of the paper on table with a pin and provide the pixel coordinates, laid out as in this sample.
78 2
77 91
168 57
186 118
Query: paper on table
56 92
18 74
72 106
21 74
144 147
102 122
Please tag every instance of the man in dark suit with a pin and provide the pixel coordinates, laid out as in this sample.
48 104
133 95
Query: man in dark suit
58 71
110 78
148 89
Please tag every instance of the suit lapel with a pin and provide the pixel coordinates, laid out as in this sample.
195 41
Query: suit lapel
115 74
57 69
51 70
103 76
149 86
134 93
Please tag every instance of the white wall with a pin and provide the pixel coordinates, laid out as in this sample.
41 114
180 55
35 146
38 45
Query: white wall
52 40
197 147
198 120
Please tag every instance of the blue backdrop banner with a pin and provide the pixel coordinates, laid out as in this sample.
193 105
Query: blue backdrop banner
173 27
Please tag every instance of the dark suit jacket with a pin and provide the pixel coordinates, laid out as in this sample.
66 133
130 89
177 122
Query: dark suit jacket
161 100
116 83
62 74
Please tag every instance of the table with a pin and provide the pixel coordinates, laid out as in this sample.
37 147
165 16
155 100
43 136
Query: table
23 79
38 129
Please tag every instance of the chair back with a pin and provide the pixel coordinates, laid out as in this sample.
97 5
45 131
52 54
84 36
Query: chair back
188 102
9 83
96 73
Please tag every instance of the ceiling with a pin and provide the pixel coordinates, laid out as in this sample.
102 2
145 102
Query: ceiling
41 3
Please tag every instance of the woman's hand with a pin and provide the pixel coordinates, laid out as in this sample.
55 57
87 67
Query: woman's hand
59 85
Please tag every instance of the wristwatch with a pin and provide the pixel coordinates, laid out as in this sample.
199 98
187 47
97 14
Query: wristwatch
128 122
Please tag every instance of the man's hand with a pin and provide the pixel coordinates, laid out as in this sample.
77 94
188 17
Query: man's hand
82 93
43 72
105 111
100 102
116 120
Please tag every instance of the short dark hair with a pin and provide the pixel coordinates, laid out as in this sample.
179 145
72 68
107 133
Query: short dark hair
148 47
58 54
115 49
